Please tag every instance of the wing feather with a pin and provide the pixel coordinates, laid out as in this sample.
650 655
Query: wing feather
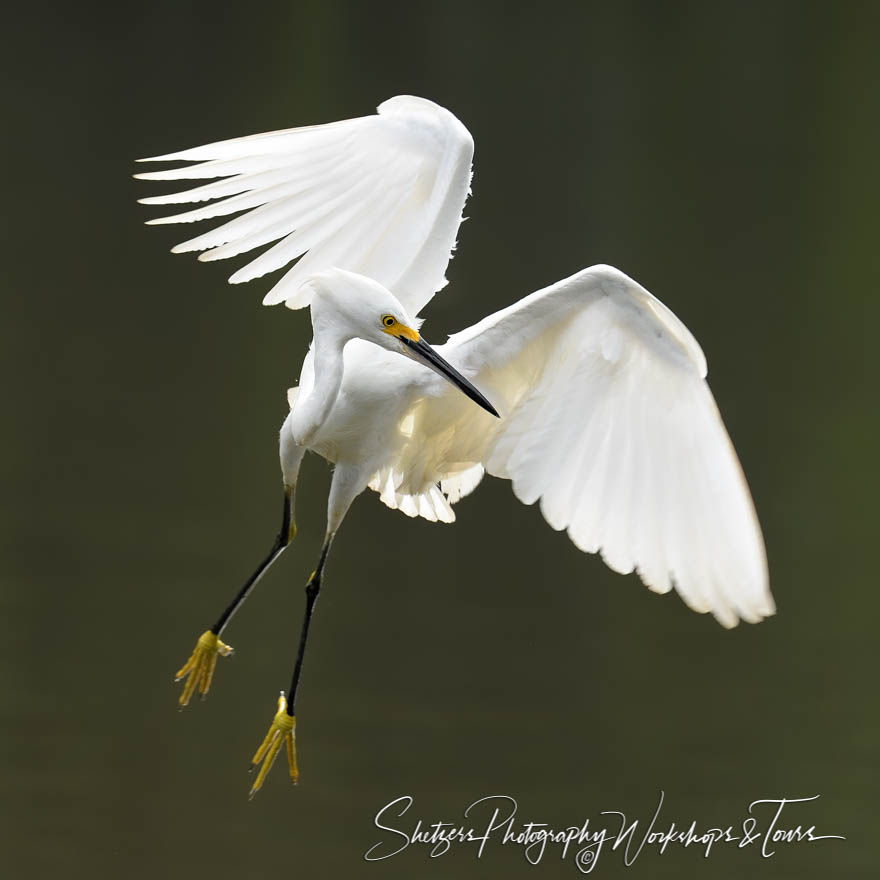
607 421
351 243
381 195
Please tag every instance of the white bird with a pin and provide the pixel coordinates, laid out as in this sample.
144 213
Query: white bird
599 405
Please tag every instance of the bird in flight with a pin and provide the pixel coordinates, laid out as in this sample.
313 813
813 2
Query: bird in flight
589 395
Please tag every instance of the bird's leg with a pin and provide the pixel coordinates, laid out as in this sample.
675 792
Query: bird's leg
282 730
199 669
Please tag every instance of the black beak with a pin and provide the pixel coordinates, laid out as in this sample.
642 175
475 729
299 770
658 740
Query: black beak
430 358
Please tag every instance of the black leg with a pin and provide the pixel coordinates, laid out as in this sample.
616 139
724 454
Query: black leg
312 589
199 669
285 536
282 730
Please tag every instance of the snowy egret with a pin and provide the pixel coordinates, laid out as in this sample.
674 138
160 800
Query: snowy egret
589 395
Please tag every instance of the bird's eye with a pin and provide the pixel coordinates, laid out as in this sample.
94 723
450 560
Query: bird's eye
388 321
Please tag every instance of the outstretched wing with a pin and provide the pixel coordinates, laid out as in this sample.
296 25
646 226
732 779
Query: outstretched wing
608 421
381 195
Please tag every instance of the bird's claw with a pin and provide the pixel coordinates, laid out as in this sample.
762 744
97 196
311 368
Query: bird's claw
282 732
199 669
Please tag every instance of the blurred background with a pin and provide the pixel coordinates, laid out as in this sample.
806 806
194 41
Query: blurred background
723 154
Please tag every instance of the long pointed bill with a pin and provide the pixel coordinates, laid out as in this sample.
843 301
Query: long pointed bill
426 355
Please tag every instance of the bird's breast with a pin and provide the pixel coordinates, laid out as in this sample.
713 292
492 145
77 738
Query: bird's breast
370 418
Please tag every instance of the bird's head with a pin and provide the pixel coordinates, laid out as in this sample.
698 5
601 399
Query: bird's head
346 305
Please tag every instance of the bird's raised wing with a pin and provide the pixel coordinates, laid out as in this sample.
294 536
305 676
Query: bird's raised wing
608 420
381 195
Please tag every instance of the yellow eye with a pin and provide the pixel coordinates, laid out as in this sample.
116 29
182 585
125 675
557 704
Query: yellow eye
388 321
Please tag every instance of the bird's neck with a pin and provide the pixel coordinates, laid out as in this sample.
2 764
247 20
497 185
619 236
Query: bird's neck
310 413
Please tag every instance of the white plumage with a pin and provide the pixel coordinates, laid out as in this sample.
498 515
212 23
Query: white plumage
380 195
605 415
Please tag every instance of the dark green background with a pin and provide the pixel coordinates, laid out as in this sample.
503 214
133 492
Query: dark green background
723 154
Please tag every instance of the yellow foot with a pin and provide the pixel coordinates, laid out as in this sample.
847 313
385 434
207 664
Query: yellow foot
199 669
282 731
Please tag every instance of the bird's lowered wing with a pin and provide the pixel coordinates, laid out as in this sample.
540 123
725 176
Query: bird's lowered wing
608 421
380 195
